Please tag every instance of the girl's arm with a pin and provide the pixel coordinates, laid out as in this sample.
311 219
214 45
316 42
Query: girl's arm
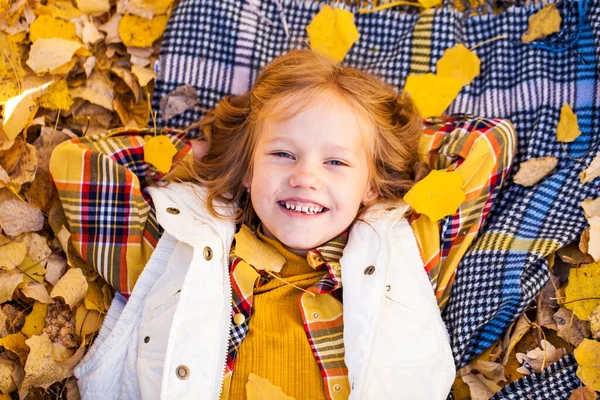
100 181
481 150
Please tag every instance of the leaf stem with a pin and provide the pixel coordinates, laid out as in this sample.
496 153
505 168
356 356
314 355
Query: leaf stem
488 41
389 5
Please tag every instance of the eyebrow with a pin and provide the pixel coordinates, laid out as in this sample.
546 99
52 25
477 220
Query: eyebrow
332 146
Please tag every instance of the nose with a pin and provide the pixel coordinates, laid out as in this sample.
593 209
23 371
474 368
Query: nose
305 177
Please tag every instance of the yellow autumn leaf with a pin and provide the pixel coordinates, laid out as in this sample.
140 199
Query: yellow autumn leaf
460 63
568 128
56 97
439 194
93 7
332 32
258 388
41 369
583 283
143 75
16 344
11 70
62 9
257 253
19 111
430 3
94 299
8 283
542 23
12 254
432 94
159 151
49 54
46 26
141 32
37 291
96 90
72 287
87 321
587 355
34 322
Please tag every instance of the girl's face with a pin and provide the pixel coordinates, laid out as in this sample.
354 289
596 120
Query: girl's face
310 175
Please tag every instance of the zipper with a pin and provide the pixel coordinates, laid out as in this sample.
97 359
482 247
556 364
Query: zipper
229 325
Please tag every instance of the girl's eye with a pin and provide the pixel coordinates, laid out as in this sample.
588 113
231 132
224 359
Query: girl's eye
282 154
336 162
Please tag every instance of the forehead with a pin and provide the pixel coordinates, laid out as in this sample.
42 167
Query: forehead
330 121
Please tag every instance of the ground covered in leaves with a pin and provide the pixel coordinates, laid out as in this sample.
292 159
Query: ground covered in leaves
76 67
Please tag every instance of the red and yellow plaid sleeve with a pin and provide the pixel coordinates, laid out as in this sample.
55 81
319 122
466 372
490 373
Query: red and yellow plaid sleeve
100 181
481 151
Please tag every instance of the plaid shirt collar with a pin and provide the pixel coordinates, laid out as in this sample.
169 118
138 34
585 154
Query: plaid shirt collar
323 299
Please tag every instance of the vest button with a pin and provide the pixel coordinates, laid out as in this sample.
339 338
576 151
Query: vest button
183 372
315 315
208 253
370 270
337 387
172 210
239 318
146 339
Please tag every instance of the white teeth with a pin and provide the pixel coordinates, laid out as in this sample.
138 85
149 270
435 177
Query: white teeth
312 209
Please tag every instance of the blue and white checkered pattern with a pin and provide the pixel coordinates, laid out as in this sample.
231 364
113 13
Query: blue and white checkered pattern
219 47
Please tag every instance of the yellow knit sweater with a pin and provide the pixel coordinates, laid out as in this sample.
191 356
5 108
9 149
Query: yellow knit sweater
276 347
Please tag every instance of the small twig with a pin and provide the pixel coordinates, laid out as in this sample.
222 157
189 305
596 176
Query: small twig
14 69
583 299
288 283
488 41
562 144
56 124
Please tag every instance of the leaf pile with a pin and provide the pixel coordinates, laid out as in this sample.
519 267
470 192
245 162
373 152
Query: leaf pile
71 68
67 69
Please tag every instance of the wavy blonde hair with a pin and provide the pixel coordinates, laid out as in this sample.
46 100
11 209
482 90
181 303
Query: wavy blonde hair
299 78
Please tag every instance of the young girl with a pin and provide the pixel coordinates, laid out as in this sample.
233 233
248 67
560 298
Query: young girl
285 257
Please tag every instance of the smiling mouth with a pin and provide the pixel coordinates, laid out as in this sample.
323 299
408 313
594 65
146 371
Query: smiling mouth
301 211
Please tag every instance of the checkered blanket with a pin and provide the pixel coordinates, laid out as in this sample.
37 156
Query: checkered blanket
219 47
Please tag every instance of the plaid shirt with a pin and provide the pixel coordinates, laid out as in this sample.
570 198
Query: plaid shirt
100 182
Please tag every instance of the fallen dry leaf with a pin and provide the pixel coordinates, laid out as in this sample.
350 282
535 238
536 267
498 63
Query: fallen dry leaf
177 101
15 318
534 170
55 268
256 253
425 197
15 343
479 386
49 54
143 75
96 90
569 327
34 322
591 208
141 32
56 96
37 291
458 63
71 287
258 388
41 370
48 27
540 358
593 238
583 393
587 355
567 129
7 384
581 292
93 7
9 280
592 171
87 322
111 28
20 162
432 94
332 32
543 23
159 152
60 325
12 254
546 304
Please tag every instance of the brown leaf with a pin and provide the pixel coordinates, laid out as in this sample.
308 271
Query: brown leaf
534 170
15 343
178 101
72 389
546 304
7 384
479 386
543 23
19 162
17 217
583 393
540 358
12 254
87 321
591 208
41 370
60 325
592 171
571 328
96 90
15 318
55 268
49 138
41 191
519 329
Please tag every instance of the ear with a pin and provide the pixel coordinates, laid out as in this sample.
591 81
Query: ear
370 196
247 181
